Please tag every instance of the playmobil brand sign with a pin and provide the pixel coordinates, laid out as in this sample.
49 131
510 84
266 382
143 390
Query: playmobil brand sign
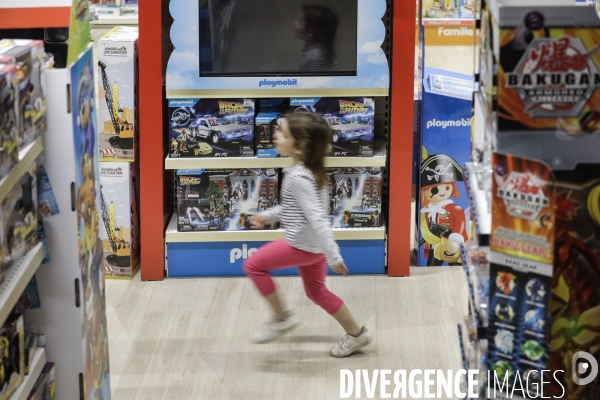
555 77
523 195
351 107
232 107
182 102
111 172
244 253
279 82
434 123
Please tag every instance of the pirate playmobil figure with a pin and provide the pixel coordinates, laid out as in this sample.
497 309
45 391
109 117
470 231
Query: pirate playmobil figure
442 223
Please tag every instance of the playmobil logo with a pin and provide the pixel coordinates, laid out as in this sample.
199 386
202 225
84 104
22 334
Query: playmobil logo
444 124
281 82
462 31
244 252
111 172
297 101
182 103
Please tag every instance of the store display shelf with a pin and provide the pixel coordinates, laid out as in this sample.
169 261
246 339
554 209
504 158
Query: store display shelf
35 370
173 236
16 279
279 162
26 157
269 93
483 218
116 20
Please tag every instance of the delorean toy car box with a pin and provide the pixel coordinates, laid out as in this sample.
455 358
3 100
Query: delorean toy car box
351 120
268 119
355 197
211 128
117 94
30 58
120 228
8 119
224 199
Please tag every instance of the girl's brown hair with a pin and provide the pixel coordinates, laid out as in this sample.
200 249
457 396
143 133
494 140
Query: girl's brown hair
312 135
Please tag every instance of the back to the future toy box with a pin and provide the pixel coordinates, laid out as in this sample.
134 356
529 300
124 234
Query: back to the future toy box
224 199
351 120
355 197
211 128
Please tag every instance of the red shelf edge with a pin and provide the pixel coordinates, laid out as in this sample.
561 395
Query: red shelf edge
35 17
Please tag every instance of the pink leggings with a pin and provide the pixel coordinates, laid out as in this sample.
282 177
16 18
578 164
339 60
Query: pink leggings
312 266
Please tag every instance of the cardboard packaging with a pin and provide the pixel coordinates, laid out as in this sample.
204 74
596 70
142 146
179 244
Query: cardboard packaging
31 62
355 197
211 128
351 119
12 335
268 119
120 230
117 94
224 199
9 133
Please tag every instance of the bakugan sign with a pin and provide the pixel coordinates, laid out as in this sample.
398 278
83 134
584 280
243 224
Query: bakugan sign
523 195
555 77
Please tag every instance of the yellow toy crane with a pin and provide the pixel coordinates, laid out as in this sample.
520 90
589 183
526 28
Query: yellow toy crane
121 256
123 129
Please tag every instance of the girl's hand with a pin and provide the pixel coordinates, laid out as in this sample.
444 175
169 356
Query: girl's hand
340 269
258 221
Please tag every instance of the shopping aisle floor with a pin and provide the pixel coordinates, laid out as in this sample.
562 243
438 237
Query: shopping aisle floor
188 339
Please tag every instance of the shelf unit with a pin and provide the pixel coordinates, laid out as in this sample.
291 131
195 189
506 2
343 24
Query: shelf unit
35 369
114 21
26 156
17 278
156 214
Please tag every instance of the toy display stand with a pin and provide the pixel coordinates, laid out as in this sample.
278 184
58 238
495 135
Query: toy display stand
159 240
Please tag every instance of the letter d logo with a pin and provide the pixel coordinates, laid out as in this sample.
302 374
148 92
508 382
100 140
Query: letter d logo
590 364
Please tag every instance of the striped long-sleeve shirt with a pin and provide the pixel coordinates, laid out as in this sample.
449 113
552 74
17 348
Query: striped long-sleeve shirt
303 214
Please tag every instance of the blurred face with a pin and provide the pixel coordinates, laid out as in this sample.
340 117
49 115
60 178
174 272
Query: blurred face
438 193
284 141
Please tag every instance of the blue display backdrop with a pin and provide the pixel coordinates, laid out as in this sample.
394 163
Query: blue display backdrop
446 145
226 258
183 70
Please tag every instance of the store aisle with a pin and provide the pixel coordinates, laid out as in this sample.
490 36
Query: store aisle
187 339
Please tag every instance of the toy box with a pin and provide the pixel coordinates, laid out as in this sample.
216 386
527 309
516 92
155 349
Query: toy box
19 216
50 371
9 135
268 120
211 128
117 94
351 119
224 199
12 344
30 59
120 230
355 197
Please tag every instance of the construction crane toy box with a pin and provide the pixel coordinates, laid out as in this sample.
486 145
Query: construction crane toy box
225 199
120 225
117 94
211 128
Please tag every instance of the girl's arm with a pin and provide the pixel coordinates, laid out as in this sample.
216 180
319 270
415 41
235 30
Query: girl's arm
273 215
306 195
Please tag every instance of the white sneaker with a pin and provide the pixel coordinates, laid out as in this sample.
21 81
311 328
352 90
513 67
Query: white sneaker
350 344
274 328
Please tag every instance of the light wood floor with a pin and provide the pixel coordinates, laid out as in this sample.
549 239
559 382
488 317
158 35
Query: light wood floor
188 339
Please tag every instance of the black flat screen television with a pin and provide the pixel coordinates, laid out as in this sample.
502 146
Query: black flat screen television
278 38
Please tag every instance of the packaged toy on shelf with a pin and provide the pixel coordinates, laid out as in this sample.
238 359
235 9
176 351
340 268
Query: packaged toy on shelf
268 120
129 7
120 232
211 128
12 361
50 371
31 63
224 199
9 136
107 8
355 197
351 120
117 94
